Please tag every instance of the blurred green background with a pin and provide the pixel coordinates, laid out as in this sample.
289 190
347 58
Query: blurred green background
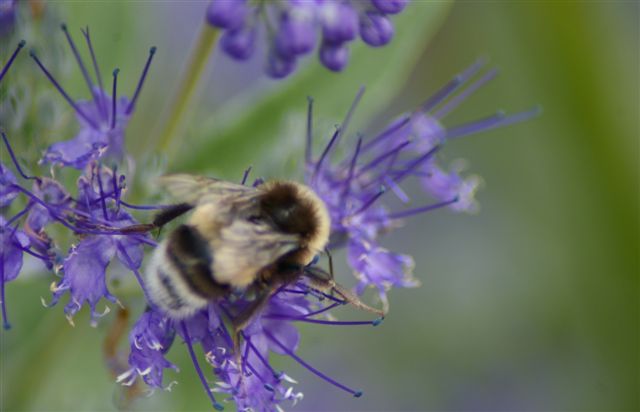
531 305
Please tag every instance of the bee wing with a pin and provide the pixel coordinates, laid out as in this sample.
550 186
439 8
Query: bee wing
244 248
194 189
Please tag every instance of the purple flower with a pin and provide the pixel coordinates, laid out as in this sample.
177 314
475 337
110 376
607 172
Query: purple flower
151 338
8 9
293 28
102 120
376 29
13 243
353 188
8 191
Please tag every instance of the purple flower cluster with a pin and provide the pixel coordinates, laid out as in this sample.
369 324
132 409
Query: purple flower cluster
246 378
293 28
102 120
353 188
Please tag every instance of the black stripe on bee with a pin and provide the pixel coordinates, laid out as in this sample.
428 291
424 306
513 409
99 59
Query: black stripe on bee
174 302
190 254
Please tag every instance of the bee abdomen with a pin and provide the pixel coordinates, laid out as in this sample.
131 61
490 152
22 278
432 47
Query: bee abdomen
179 276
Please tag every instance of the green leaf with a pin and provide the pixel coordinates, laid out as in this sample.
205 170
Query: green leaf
228 143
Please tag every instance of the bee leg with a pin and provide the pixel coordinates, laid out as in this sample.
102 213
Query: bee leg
244 319
324 282
162 218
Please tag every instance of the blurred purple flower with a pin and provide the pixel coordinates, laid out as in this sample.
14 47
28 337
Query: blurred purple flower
353 187
293 29
8 11
8 191
102 120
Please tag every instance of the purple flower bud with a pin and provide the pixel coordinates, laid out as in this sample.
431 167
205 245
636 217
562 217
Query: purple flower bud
390 6
8 10
339 22
54 194
279 67
240 43
334 56
227 14
375 29
296 33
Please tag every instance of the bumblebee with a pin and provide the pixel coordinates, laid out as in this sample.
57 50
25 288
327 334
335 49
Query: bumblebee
238 238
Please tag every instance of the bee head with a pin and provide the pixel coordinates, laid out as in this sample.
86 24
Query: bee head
296 209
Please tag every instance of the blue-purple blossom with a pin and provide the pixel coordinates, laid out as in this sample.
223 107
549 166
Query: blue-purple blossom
84 269
8 11
354 187
294 28
8 191
13 243
247 378
151 338
102 120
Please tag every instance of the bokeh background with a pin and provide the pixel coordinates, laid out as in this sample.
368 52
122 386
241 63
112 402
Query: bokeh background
530 305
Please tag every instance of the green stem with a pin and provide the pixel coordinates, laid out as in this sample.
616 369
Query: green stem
199 57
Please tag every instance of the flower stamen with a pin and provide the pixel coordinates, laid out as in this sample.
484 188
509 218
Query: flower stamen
313 370
152 52
64 94
12 58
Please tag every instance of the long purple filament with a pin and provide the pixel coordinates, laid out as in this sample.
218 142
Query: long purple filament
114 99
18 215
373 163
83 68
12 58
259 355
422 209
463 95
5 319
319 321
132 105
369 202
194 359
347 118
62 92
245 176
324 154
325 309
14 159
450 87
103 202
414 164
352 166
389 131
96 69
309 146
34 254
309 367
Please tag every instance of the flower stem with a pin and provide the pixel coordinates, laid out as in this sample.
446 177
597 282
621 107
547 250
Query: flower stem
204 46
